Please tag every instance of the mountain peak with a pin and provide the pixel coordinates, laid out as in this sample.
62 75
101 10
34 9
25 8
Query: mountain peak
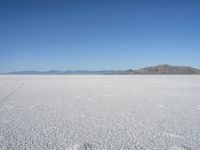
167 69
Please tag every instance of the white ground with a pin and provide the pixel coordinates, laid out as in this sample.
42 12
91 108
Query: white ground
100 112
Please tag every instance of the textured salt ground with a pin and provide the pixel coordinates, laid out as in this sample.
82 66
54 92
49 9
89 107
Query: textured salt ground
100 112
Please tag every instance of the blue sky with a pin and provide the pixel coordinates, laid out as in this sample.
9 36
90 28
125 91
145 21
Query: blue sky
98 34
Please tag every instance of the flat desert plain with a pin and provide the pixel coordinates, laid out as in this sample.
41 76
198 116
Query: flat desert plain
99 112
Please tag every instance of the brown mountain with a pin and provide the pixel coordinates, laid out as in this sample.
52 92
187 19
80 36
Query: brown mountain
165 69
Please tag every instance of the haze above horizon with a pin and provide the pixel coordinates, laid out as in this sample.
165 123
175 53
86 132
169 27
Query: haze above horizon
98 35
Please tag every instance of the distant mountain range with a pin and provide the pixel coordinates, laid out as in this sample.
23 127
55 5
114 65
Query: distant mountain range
153 70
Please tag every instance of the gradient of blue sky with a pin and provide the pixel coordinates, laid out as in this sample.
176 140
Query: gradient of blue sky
98 34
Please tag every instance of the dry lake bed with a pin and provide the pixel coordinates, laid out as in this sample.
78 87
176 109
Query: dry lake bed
99 112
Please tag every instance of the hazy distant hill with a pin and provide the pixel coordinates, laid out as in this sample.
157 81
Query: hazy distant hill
53 72
165 69
153 70
56 72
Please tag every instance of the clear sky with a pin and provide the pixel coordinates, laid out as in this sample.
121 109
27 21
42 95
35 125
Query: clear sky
98 34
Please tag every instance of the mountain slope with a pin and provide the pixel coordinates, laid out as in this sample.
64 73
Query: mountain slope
166 69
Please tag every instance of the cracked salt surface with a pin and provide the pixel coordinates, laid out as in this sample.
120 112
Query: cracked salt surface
171 135
84 146
100 112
